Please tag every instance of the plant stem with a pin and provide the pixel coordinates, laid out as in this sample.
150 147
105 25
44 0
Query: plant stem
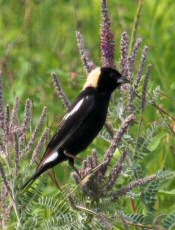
15 208
135 26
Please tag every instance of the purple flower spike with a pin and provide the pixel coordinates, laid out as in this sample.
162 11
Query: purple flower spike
142 66
145 86
1 102
87 62
40 145
134 53
124 53
107 38
132 185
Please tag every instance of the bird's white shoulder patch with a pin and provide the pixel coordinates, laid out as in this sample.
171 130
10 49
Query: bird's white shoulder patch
51 158
74 109
93 77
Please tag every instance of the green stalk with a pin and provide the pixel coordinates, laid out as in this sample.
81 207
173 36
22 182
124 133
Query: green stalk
135 25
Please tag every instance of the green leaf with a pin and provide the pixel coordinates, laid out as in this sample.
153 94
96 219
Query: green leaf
156 141
165 192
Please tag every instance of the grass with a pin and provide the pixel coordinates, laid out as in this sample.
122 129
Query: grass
38 37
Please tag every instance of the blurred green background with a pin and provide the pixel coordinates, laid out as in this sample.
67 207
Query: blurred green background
38 37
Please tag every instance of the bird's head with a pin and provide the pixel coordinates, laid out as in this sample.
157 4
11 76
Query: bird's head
105 79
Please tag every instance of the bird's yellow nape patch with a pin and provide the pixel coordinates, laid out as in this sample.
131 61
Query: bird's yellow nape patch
92 79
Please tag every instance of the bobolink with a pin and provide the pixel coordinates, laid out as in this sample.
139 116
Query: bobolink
83 121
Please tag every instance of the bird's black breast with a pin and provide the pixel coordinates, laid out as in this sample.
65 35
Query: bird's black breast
90 128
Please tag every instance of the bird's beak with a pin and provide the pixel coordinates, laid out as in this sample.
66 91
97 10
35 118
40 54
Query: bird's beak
122 80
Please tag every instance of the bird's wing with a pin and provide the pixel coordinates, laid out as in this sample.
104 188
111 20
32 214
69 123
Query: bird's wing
69 124
72 121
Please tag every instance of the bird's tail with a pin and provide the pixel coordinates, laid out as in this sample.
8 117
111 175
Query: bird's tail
33 178
50 159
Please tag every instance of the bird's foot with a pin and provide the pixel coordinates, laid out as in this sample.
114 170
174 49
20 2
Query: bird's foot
71 164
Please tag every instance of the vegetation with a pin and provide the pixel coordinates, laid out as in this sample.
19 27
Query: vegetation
127 179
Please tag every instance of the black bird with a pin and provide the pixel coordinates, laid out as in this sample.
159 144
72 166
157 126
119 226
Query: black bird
83 121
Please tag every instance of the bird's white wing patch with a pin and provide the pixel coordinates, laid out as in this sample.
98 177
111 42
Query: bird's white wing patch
51 158
74 109
68 126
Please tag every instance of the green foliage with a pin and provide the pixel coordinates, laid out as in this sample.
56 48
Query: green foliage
50 211
38 37
169 222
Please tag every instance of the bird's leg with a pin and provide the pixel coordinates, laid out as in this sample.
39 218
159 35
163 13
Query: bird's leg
72 156
71 164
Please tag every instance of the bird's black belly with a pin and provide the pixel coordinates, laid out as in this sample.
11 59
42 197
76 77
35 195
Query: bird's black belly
90 128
